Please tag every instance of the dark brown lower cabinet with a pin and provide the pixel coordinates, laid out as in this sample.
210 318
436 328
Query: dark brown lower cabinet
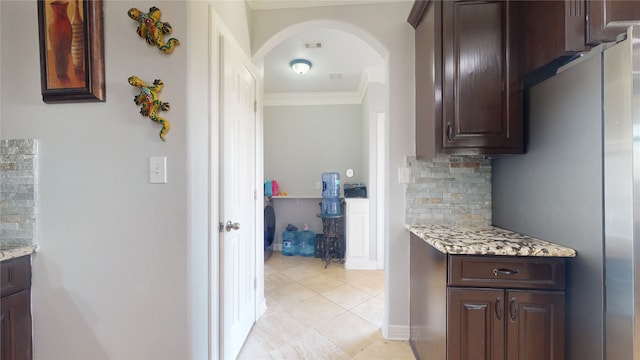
495 324
15 309
15 327
465 307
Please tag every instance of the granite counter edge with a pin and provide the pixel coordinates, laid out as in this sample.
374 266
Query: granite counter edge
16 251
543 248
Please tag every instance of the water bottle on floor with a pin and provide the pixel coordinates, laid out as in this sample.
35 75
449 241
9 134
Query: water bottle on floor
289 243
306 245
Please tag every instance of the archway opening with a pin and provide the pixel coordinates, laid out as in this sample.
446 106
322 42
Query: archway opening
290 108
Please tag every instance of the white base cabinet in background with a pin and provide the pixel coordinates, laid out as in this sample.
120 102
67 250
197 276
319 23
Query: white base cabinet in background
357 235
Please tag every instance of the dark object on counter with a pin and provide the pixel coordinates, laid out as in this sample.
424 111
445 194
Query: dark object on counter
355 191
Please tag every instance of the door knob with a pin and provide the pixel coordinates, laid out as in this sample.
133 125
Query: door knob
232 226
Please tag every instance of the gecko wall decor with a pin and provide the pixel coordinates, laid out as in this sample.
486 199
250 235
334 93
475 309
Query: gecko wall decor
153 30
150 104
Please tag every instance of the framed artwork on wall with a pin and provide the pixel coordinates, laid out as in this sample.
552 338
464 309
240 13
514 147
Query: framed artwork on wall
71 50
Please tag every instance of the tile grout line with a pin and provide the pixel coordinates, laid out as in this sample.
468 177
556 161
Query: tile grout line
277 269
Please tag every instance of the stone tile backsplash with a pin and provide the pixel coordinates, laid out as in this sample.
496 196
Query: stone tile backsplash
18 191
449 190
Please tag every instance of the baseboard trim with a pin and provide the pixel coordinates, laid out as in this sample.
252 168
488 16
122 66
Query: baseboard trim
361 264
262 308
396 332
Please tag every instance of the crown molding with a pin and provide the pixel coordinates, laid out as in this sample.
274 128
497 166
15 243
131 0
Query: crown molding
313 98
320 98
289 4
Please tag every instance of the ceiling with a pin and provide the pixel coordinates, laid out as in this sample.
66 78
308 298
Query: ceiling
339 64
288 4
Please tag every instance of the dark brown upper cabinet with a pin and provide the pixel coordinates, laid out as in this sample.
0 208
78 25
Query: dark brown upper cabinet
608 18
553 31
475 58
468 93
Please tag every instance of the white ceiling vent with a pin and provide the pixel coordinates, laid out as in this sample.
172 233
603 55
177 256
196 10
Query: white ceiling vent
313 45
335 76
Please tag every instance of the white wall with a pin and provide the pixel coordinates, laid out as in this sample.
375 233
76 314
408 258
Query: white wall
122 267
375 102
122 270
384 26
110 278
555 192
302 142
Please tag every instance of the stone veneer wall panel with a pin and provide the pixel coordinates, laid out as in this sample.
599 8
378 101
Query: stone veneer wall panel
18 191
449 190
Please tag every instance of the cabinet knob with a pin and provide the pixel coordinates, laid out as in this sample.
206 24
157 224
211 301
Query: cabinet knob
449 131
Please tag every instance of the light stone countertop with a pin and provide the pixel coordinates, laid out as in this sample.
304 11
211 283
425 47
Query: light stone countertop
13 251
490 240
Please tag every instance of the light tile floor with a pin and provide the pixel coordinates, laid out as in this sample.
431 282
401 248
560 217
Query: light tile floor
318 313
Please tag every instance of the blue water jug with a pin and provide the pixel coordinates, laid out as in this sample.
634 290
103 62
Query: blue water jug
289 243
306 243
331 206
330 185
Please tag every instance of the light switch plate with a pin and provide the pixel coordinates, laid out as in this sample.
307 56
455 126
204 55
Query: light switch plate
158 169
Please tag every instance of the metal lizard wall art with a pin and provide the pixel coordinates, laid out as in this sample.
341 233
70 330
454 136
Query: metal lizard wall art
150 104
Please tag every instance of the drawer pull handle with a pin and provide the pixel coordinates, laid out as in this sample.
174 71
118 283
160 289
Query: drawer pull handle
513 309
499 308
505 272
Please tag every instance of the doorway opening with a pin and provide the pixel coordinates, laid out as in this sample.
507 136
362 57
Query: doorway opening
320 122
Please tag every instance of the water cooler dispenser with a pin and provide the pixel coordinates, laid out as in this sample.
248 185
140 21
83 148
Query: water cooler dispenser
332 219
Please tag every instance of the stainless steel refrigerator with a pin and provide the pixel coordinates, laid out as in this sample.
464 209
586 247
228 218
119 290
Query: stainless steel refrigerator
621 118
579 185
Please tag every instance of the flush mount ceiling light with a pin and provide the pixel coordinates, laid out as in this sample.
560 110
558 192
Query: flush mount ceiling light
301 66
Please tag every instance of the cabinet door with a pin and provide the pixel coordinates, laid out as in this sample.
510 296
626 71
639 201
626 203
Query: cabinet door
475 324
481 91
550 32
608 18
535 325
15 327
357 234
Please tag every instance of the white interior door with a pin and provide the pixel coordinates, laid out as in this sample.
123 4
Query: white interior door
238 199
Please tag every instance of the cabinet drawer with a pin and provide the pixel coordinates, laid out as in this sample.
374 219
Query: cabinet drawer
15 275
507 272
